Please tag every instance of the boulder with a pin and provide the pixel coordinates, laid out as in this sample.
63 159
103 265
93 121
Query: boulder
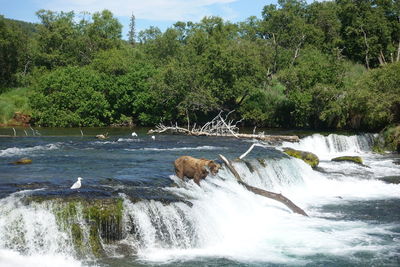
102 136
389 139
391 179
355 159
308 157
23 161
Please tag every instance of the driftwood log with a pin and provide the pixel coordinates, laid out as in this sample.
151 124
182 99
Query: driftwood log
278 197
220 126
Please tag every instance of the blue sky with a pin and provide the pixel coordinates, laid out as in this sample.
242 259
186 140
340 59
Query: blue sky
160 13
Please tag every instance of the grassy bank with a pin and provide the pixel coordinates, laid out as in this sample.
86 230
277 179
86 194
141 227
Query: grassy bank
15 100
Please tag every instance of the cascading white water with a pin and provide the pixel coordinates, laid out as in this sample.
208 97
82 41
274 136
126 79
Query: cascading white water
228 221
30 235
225 220
334 144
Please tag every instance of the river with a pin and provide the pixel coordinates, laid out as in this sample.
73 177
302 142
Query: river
354 215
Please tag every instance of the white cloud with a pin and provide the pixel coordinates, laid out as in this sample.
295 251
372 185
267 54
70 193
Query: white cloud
155 10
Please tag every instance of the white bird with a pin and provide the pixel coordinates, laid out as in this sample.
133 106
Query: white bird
153 137
77 184
134 134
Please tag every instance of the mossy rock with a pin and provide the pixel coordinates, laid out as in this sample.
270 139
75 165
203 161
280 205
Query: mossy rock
262 162
308 157
355 159
99 218
23 161
389 139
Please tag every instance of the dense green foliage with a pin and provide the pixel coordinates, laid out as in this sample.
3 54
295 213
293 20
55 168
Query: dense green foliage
329 64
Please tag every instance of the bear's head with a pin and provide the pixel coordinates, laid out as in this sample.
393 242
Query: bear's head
214 167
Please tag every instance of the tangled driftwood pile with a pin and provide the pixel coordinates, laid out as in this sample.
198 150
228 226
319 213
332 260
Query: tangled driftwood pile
220 126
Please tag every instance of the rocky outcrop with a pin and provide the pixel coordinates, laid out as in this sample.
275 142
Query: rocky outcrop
354 159
308 157
95 221
388 140
391 179
91 223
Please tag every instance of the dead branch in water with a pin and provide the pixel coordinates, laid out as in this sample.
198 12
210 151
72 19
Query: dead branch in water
220 126
278 197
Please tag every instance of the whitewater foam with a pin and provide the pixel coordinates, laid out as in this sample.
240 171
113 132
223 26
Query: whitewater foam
326 147
14 151
229 221
10 258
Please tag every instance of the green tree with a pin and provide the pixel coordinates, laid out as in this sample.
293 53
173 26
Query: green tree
263 106
324 16
71 96
366 31
56 39
288 31
62 41
306 83
132 31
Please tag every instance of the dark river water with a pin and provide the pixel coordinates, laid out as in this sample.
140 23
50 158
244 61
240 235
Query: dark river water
354 213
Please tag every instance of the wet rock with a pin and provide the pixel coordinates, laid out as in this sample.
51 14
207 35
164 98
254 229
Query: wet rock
100 218
249 166
92 221
397 162
22 161
307 157
354 159
389 139
262 162
102 136
391 179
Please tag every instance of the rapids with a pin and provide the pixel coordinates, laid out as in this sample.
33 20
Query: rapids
354 215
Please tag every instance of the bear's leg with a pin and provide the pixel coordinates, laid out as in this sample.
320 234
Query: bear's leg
197 179
179 173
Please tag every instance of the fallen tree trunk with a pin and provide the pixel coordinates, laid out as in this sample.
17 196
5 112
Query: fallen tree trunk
278 197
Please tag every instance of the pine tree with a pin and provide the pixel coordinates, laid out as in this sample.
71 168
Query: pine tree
132 29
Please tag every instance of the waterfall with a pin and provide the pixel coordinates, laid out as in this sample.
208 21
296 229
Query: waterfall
30 234
220 219
334 144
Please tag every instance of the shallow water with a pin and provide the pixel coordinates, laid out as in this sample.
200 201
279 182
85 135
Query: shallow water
354 215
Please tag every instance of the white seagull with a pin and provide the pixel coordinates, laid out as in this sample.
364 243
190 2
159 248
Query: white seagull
134 134
153 137
77 184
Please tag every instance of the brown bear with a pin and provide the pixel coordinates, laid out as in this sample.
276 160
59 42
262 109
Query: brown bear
194 168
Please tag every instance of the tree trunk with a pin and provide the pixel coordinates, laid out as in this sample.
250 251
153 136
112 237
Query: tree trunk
398 53
275 54
366 48
278 197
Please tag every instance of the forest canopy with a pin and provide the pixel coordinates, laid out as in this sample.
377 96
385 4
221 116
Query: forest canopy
324 65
